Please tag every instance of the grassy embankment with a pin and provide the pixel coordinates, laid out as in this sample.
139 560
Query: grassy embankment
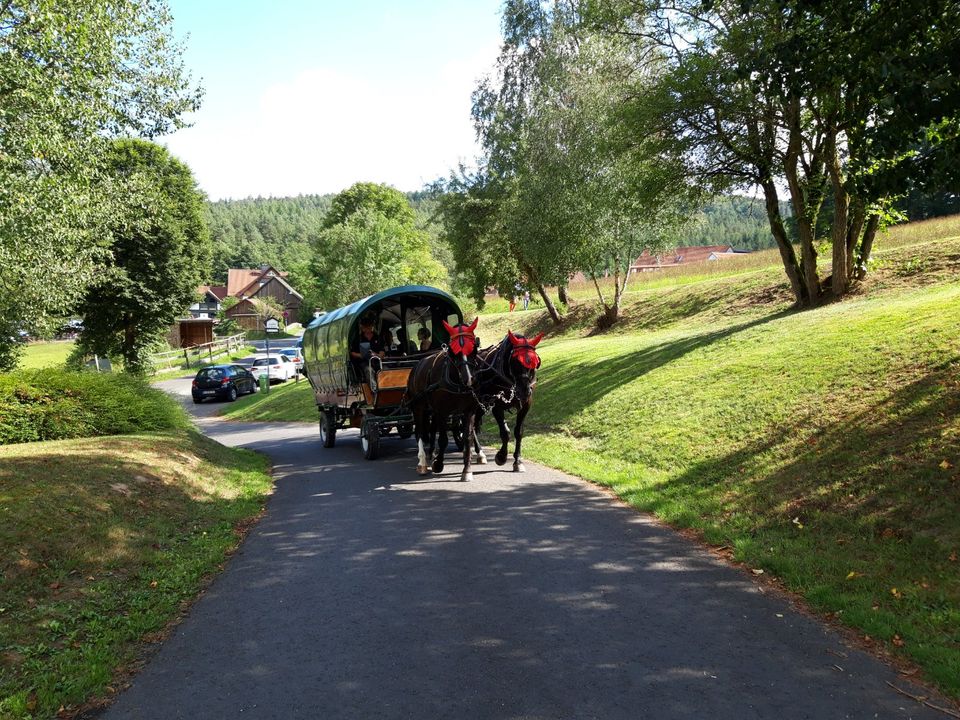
821 447
104 540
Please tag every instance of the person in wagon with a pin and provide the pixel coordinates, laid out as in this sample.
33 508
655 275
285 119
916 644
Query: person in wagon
423 335
366 345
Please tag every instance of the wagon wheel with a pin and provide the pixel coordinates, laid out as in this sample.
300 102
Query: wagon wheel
370 441
328 430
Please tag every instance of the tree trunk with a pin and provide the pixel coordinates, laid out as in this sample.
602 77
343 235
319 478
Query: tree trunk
866 246
787 253
551 308
806 231
603 300
858 215
806 196
562 295
840 282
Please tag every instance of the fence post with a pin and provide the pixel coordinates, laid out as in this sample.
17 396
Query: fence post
186 357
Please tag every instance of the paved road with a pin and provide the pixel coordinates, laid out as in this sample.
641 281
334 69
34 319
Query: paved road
369 592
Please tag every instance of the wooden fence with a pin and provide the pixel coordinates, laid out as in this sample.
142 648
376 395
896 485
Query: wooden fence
198 354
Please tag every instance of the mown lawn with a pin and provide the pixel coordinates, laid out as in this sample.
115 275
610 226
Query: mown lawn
45 354
292 401
104 541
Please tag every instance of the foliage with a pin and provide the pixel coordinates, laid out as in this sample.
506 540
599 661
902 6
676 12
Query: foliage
564 188
276 231
382 199
368 253
371 242
53 404
159 254
71 72
752 96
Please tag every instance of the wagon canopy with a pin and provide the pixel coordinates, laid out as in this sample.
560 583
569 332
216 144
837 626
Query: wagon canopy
397 314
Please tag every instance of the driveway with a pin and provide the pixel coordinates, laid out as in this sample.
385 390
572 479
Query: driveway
369 592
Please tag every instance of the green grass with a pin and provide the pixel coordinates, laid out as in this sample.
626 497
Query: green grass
289 402
103 542
46 354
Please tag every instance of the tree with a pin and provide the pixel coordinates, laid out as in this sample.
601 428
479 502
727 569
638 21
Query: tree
383 199
265 309
71 73
374 244
159 254
577 194
468 210
791 95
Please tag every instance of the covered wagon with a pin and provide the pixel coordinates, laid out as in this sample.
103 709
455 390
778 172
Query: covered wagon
367 392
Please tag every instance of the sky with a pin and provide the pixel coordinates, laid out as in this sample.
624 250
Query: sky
309 97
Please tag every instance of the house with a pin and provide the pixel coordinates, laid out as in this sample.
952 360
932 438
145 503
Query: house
208 305
264 282
648 262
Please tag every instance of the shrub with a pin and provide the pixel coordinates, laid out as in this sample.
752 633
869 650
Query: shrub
55 404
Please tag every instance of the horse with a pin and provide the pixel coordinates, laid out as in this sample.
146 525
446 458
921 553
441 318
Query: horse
441 386
508 375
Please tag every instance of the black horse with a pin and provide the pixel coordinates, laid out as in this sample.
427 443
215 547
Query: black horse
440 388
508 375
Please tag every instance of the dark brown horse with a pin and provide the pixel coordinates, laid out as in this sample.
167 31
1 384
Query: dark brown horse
441 387
507 377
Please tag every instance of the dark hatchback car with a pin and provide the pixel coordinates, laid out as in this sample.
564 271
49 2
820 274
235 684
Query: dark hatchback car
223 381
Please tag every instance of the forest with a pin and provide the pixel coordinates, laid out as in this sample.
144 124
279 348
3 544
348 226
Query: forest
282 231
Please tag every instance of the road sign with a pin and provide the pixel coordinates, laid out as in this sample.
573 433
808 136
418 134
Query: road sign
272 325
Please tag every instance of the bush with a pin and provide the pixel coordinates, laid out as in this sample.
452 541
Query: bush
55 404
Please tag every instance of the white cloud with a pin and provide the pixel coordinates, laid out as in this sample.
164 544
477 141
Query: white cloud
327 128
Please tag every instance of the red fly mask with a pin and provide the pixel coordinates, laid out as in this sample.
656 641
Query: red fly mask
462 340
524 350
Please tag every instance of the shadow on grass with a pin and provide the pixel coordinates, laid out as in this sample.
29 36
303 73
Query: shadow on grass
573 384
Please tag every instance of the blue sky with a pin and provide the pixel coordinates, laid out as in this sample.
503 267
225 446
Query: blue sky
310 97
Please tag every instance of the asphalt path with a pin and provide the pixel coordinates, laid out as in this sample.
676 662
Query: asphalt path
367 591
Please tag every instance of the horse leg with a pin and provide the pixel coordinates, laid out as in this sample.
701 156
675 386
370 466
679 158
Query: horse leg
468 440
481 457
501 456
420 424
441 445
518 434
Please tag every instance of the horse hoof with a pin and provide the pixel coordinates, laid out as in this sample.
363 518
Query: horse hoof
422 469
501 458
466 477
438 467
481 459
518 467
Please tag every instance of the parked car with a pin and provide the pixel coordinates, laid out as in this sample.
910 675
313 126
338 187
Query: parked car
277 367
224 382
295 355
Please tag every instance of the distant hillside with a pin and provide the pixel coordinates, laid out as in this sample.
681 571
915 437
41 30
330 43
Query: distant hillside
733 220
278 231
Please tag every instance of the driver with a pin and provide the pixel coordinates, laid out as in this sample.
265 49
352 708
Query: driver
367 344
